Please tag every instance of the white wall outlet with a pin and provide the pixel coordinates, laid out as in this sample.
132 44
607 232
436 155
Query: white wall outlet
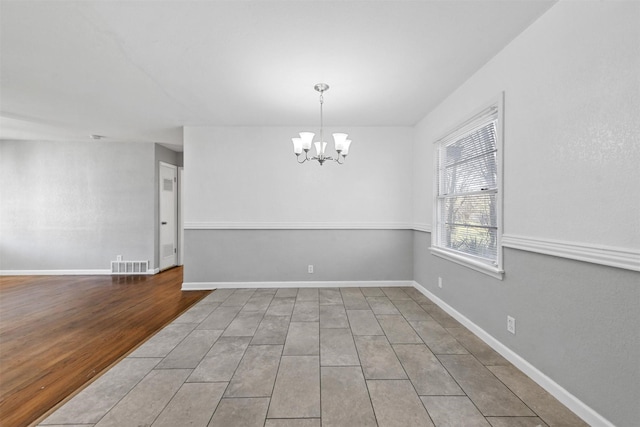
511 325
118 257
440 282
310 269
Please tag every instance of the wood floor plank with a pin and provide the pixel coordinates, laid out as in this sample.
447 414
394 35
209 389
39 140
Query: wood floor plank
57 333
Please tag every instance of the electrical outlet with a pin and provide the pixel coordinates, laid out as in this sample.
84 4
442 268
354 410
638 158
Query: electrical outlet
440 282
119 258
310 269
511 325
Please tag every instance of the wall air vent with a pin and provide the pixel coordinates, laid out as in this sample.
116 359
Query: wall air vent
130 267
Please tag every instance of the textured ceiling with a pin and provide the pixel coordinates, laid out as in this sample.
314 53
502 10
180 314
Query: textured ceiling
140 70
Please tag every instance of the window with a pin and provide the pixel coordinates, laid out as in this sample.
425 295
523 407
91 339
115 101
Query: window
468 193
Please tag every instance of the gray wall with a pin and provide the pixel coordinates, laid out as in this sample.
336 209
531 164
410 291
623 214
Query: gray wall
576 322
283 255
75 205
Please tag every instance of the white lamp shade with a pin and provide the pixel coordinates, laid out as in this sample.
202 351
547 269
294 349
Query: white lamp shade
339 139
297 145
307 139
345 148
320 146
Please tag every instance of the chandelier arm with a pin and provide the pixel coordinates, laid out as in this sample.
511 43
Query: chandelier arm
306 157
338 160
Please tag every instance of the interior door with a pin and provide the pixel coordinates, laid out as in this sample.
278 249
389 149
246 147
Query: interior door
168 215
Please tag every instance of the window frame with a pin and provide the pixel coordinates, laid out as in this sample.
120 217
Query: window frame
485 114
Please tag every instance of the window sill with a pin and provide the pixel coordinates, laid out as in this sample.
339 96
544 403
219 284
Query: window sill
494 272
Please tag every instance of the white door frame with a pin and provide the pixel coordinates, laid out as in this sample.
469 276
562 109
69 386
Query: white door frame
180 222
160 219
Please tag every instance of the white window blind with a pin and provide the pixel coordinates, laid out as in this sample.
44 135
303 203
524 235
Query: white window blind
467 201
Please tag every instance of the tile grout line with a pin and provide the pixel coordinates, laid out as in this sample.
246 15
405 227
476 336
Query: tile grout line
437 358
129 391
234 371
275 380
445 368
402 365
228 382
366 384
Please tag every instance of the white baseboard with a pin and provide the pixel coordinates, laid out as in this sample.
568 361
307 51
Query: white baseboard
96 272
100 272
556 390
206 286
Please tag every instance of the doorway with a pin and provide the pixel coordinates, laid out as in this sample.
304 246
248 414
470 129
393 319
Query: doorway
168 215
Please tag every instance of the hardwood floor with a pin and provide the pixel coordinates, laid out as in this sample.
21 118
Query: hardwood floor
58 332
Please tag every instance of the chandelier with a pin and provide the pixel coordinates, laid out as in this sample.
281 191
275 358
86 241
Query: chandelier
306 139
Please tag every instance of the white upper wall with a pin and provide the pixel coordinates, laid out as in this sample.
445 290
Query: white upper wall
248 176
572 126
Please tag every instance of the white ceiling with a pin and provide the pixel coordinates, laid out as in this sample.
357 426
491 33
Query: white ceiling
140 70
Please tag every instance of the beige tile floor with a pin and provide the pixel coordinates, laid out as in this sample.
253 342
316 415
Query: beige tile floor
311 357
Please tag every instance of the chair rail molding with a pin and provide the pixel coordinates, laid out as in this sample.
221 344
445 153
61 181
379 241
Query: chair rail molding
626 258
